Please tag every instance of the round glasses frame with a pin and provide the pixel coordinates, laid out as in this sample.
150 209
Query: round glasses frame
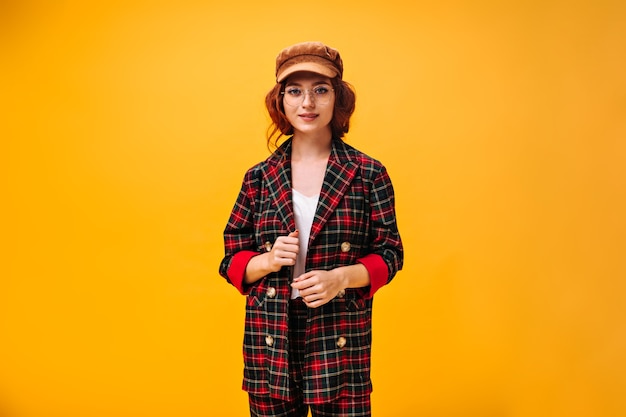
294 96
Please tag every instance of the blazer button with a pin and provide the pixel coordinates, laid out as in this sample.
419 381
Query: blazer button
345 247
341 342
271 292
268 246
341 293
269 340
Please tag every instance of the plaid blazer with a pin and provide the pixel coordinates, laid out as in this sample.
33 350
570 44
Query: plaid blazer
355 222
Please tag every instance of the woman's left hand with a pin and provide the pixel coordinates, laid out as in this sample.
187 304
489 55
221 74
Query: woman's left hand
318 287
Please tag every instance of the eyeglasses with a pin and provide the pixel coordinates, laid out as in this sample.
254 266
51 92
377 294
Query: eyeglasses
294 96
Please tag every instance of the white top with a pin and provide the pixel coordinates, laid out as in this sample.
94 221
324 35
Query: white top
304 211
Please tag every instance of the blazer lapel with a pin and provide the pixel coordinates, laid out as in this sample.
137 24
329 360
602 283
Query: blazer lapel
340 172
278 177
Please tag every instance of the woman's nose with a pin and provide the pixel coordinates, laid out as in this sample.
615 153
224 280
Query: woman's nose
308 100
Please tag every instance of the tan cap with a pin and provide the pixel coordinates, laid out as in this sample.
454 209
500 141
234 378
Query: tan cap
309 56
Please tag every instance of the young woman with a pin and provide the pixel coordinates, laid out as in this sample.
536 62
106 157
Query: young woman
311 238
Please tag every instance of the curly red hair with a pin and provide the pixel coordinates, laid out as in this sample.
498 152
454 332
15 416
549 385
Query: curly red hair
345 101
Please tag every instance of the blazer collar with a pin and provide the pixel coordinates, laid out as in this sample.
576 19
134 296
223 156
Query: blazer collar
340 171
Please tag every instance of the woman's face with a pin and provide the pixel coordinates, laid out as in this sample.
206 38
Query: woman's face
309 101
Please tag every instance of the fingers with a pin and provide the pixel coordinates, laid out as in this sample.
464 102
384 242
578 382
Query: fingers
287 246
285 250
290 239
312 290
310 276
316 303
317 287
316 299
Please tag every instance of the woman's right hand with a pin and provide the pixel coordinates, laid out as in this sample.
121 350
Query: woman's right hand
284 252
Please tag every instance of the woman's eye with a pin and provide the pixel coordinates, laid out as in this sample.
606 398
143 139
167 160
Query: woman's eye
294 91
320 91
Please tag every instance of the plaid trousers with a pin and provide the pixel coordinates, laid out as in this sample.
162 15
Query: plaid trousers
267 406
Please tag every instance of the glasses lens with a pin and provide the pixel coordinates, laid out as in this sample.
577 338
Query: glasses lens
294 96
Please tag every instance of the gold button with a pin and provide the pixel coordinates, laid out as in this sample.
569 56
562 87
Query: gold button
271 292
341 293
341 342
269 340
345 247
268 246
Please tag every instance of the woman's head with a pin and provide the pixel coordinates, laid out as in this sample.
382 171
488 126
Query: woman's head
316 59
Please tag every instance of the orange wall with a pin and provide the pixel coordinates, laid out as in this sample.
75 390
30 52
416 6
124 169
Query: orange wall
127 126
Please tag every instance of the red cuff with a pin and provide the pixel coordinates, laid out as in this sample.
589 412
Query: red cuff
377 269
237 269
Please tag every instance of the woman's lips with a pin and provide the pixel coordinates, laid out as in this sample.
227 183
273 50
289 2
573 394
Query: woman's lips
308 116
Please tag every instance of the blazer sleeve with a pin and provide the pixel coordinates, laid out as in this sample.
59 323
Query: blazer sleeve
386 255
239 241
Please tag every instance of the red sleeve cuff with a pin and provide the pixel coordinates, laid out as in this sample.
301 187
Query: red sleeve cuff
377 269
237 269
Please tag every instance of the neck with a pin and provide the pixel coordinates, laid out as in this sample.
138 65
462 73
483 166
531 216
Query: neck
311 146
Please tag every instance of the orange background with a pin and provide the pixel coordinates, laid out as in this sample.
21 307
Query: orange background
127 126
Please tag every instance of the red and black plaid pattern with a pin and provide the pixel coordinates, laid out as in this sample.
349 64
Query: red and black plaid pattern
266 406
344 407
357 207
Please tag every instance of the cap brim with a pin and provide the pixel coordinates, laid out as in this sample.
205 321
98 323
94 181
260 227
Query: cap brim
309 67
